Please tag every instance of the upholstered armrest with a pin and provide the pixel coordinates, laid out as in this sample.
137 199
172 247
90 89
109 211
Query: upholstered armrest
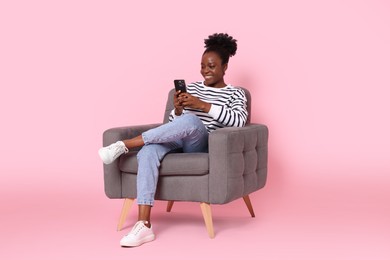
112 174
238 162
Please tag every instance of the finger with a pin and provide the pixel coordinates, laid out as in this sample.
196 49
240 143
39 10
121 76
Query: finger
186 103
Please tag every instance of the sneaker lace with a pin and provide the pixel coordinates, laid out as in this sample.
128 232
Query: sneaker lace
136 229
119 149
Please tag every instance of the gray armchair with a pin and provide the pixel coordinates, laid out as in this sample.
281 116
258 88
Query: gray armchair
235 166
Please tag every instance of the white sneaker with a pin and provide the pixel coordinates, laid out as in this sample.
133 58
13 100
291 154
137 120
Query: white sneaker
138 235
109 153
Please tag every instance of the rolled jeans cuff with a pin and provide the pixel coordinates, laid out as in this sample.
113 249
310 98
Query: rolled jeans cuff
145 202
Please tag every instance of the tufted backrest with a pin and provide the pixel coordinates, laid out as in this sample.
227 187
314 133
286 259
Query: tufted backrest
169 105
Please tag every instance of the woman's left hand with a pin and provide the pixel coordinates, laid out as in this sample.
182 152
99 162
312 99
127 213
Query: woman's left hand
187 100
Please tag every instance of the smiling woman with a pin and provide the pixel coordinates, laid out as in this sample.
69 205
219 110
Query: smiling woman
206 106
215 59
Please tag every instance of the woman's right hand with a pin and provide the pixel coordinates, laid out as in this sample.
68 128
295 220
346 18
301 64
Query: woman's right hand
177 102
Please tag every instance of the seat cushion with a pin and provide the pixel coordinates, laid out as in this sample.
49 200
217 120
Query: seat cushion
173 164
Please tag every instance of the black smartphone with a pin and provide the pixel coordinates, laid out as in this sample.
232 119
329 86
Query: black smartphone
180 84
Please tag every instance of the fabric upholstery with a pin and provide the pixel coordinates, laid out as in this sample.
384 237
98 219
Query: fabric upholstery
235 166
174 164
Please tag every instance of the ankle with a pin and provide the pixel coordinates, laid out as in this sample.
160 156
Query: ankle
146 223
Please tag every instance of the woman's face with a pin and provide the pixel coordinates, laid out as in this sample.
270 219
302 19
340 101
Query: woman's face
212 70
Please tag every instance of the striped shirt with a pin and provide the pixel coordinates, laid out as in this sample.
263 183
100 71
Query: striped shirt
228 106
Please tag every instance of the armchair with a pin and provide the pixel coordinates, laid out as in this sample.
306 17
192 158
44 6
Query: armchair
234 167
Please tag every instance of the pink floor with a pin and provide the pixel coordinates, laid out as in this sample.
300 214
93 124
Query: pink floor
321 219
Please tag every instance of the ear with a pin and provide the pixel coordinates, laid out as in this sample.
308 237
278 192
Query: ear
224 68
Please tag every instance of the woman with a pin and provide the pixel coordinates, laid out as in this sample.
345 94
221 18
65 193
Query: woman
205 107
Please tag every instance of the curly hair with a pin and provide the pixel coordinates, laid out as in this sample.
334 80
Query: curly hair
222 44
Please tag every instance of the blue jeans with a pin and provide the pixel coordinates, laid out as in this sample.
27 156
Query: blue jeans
186 132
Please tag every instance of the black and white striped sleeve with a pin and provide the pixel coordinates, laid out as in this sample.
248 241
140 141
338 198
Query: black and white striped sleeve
234 112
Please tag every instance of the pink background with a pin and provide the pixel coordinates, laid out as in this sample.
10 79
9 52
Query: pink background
319 75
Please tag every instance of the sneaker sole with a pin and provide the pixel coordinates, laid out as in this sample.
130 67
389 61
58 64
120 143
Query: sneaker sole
146 239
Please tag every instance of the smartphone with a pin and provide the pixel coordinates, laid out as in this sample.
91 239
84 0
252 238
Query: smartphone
180 84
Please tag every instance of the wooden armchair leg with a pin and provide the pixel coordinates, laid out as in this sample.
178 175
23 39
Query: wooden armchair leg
249 205
208 219
125 209
169 205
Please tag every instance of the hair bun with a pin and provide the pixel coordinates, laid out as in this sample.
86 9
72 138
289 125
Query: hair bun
221 41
